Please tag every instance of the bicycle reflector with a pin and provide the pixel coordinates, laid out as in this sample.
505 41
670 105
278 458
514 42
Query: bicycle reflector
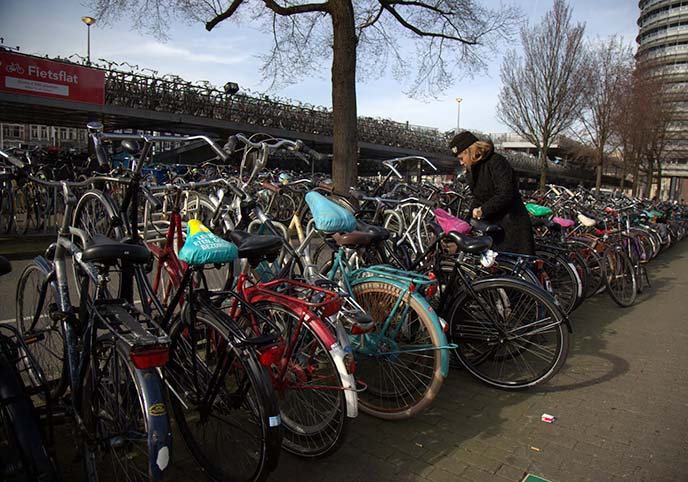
432 289
149 356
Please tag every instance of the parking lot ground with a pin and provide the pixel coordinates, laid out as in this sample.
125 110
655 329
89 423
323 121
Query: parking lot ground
620 402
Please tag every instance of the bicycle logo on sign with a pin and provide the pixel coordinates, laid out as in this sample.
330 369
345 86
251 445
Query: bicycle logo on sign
14 67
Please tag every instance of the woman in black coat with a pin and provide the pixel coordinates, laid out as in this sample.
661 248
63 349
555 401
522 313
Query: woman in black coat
496 199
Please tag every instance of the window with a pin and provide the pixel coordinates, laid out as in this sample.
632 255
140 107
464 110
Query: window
34 132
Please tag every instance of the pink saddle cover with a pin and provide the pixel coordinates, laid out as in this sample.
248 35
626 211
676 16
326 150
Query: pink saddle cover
564 223
451 223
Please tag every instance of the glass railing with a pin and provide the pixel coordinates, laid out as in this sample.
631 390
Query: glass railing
663 15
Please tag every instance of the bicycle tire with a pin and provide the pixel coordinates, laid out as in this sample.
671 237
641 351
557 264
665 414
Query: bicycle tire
484 352
314 426
6 207
259 403
49 351
21 211
620 277
565 282
20 429
379 371
95 213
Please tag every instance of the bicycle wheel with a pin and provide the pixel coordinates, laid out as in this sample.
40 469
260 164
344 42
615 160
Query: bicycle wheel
20 432
283 207
400 360
114 415
509 333
6 206
21 211
34 300
311 397
231 425
621 281
95 214
565 283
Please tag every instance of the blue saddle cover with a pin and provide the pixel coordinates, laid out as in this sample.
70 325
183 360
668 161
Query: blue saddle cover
329 216
203 247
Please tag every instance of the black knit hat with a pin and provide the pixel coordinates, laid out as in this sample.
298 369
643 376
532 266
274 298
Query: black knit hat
462 141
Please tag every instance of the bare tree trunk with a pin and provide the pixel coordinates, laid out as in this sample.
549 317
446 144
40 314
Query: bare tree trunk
659 180
636 176
543 165
648 186
600 167
345 136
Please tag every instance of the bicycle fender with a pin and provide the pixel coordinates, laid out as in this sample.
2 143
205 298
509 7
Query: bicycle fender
403 286
348 380
43 264
157 421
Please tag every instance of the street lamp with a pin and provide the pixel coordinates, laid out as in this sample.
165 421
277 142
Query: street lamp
458 115
88 21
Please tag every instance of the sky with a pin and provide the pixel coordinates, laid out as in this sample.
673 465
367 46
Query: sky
230 53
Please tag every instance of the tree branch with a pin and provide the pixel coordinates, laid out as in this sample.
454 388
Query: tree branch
295 9
224 15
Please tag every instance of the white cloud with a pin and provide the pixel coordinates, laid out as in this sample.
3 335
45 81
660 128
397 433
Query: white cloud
158 49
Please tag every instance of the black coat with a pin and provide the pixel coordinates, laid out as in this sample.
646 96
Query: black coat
495 190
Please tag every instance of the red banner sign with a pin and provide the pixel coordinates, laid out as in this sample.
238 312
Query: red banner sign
22 74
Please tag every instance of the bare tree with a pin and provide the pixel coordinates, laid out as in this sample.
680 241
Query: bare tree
445 36
642 125
543 89
610 64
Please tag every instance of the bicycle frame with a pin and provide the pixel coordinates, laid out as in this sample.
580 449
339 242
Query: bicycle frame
256 293
78 357
406 282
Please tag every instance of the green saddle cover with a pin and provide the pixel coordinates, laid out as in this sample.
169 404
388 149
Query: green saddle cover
538 211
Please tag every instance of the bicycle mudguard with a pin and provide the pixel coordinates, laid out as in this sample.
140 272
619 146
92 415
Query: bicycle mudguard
403 284
157 420
330 340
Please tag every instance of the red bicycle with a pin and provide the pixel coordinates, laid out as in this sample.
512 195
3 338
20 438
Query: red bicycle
308 366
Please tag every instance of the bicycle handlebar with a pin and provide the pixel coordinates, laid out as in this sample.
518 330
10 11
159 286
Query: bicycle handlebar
15 161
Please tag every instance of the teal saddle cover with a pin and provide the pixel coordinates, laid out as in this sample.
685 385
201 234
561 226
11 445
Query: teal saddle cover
203 247
329 216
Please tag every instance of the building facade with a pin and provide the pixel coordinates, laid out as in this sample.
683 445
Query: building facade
663 47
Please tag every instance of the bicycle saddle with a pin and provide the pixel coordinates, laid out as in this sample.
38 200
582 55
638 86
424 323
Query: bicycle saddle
203 247
586 221
549 224
255 247
563 222
103 250
486 228
5 266
365 235
470 244
329 216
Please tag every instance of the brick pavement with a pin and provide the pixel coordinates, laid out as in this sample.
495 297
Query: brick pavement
621 402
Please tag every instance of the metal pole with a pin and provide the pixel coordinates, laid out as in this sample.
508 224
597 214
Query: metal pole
88 45
458 115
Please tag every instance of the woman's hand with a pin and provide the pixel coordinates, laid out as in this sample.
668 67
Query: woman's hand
478 213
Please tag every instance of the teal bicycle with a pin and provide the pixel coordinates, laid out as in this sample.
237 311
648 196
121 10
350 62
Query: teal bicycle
402 362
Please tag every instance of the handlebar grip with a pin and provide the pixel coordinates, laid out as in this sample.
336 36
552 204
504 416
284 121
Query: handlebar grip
154 201
14 160
230 145
236 191
312 153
